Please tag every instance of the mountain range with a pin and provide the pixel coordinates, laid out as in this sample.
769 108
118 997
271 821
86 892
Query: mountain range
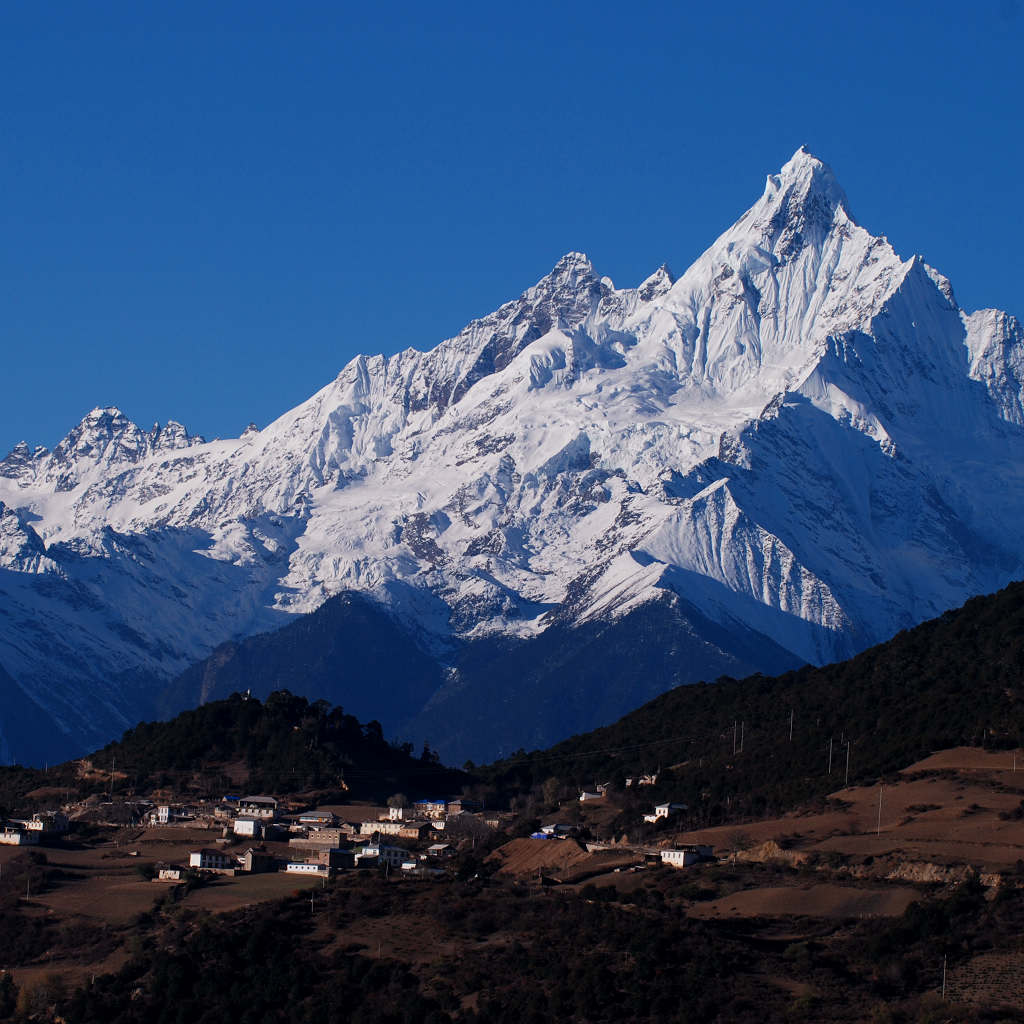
787 454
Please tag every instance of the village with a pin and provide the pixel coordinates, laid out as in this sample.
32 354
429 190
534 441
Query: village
108 867
259 834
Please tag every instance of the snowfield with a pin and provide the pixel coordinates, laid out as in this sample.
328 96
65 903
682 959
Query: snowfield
803 434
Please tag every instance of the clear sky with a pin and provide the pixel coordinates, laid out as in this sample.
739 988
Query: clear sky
206 209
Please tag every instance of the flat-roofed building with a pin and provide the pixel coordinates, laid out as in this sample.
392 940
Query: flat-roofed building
211 860
257 807
251 827
684 856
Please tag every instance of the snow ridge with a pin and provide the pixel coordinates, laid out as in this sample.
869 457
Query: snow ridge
803 434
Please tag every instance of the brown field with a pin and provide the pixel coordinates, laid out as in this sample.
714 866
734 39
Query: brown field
944 810
972 759
942 813
114 899
102 883
227 894
626 879
74 974
561 859
821 899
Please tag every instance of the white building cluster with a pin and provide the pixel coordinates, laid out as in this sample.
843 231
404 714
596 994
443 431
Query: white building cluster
320 842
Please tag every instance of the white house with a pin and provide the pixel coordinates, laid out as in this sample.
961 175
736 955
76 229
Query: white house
169 874
211 860
16 837
683 856
251 827
587 795
385 828
301 867
393 855
664 811
558 830
642 780
667 810
257 807
54 822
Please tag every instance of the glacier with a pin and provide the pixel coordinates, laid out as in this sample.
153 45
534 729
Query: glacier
803 436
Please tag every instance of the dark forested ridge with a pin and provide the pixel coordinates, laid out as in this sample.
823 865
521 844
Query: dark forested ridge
286 744
492 694
283 744
953 680
957 679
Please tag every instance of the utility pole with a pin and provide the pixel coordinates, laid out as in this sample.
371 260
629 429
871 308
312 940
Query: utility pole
734 724
943 975
790 725
846 784
830 755
743 727
878 830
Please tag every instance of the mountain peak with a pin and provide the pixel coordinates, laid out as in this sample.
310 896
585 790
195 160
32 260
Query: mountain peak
108 421
104 413
807 182
574 259
103 433
572 267
657 284
799 207
21 461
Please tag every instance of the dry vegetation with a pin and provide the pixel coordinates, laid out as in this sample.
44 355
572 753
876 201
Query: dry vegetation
799 921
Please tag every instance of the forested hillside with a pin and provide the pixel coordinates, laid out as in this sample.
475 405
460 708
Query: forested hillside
285 743
280 745
762 744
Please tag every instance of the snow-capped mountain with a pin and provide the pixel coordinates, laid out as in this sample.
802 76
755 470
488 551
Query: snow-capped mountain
803 436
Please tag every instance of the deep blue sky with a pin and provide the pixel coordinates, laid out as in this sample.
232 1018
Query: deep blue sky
205 211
